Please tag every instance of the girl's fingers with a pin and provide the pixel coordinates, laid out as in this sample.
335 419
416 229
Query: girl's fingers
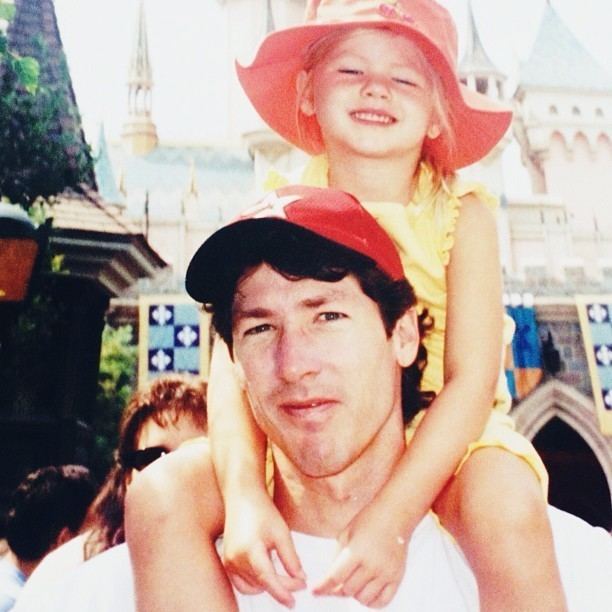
385 596
356 582
288 557
266 577
243 586
342 568
370 593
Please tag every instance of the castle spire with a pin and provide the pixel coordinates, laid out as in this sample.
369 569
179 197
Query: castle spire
139 132
476 69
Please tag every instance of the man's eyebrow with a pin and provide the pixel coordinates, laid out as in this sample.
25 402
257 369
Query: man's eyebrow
257 312
261 312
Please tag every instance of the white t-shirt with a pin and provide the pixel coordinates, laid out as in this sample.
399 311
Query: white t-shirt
51 570
437 576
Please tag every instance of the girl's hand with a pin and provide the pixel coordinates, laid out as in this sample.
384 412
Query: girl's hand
370 563
255 534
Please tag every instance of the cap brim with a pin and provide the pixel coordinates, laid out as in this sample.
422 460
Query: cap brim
223 254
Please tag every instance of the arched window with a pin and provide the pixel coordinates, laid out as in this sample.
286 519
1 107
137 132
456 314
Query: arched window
577 481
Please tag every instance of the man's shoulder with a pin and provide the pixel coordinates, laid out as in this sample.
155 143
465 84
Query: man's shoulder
101 583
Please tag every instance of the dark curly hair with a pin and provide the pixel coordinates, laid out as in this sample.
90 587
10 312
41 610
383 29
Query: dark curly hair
45 502
298 253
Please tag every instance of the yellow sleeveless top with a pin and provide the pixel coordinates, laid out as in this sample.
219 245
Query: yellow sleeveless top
424 236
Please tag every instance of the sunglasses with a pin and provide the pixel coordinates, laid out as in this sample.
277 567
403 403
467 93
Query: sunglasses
139 459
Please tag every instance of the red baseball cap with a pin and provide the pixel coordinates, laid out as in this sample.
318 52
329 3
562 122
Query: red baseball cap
329 213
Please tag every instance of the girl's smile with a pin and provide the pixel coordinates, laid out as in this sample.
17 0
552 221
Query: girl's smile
368 80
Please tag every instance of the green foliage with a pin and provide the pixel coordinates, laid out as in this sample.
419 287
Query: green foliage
26 69
116 381
7 11
41 148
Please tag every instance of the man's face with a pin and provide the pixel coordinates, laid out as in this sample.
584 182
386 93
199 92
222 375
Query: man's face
322 376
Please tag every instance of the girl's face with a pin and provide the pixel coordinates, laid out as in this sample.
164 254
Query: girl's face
371 95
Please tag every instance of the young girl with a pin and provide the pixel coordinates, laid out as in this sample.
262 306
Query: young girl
370 88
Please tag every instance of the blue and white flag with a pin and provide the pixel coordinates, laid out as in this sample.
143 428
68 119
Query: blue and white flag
595 314
173 337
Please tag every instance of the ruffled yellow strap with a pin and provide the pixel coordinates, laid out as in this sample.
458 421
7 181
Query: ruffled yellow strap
314 174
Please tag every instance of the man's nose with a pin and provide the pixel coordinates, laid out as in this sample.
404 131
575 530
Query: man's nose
296 356
375 86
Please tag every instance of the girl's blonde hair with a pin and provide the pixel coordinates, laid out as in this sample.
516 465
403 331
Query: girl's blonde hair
308 127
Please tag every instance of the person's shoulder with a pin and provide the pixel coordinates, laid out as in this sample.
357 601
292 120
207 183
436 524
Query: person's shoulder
101 584
52 568
584 554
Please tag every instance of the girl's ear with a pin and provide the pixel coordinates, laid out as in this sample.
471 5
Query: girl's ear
305 97
406 338
433 131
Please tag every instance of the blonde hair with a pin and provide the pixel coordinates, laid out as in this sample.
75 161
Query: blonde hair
308 127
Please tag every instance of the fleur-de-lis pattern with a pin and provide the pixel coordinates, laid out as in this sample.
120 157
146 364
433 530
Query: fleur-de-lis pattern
595 315
173 337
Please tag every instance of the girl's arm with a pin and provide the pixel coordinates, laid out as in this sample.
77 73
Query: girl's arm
456 418
253 525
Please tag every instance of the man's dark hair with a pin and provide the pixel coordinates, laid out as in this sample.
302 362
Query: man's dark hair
297 253
47 500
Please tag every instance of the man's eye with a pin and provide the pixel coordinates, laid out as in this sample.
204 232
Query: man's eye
258 329
332 316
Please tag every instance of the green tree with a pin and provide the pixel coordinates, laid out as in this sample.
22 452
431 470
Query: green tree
116 381
42 152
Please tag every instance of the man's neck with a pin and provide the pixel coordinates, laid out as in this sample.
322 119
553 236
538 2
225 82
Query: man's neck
323 506
374 180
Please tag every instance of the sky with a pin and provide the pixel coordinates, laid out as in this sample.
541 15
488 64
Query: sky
189 54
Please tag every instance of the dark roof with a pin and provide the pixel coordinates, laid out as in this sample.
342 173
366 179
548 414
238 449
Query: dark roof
34 32
559 61
98 243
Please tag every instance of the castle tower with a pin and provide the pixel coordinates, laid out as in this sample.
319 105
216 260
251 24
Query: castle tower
139 134
476 70
479 73
249 21
564 111
563 124
105 177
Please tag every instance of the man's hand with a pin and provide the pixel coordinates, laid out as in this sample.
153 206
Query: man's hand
370 563
255 535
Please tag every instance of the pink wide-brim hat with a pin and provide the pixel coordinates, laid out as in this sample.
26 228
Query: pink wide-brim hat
477 121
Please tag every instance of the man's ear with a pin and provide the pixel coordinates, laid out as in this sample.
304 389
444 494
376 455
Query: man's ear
304 90
406 338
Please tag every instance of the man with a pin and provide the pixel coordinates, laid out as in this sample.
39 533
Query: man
309 294
46 510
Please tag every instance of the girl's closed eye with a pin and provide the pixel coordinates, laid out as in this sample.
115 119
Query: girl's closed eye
351 71
406 81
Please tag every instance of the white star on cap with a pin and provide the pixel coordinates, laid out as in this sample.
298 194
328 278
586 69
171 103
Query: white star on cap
272 205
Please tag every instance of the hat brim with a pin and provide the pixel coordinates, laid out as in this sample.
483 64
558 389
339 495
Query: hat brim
478 122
